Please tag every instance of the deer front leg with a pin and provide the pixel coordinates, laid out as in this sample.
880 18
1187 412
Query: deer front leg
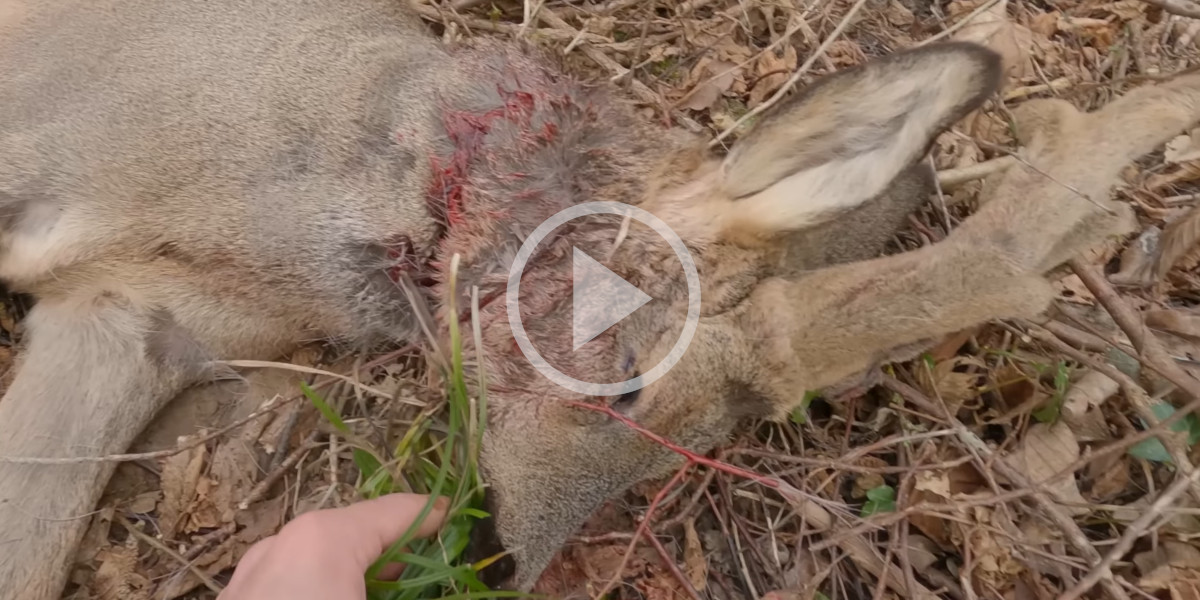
816 330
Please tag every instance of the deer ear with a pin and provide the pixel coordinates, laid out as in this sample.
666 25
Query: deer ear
841 141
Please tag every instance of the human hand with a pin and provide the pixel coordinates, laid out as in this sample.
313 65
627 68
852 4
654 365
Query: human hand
323 554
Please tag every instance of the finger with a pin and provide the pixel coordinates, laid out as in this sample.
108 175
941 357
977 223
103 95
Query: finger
373 525
246 566
391 572
255 554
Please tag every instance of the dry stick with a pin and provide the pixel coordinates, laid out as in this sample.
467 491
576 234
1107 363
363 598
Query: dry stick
260 489
274 404
266 364
770 47
961 23
672 565
641 530
639 89
791 82
1172 441
951 179
161 547
857 548
1182 8
34 460
1075 536
1151 349
1136 529
1131 323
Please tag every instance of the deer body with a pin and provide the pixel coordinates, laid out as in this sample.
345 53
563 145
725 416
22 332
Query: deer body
224 179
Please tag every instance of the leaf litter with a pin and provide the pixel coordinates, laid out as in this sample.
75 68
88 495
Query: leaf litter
917 475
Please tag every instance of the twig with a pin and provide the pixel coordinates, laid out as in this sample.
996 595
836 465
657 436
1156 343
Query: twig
639 89
856 547
1102 570
672 566
1070 530
950 179
34 460
791 82
266 364
961 23
188 564
1141 401
692 457
260 489
641 530
1182 8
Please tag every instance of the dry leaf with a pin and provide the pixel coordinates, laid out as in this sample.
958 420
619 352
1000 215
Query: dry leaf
932 487
117 577
693 557
715 77
922 552
180 476
899 15
1139 259
1110 477
950 383
1173 566
1072 289
1091 390
1183 323
1182 148
992 28
1178 241
1044 452
771 72
96 537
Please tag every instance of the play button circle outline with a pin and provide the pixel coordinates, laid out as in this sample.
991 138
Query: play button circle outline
512 299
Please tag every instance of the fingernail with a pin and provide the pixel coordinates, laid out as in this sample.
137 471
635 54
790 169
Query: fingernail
442 503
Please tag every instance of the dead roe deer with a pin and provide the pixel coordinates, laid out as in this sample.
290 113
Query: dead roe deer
185 180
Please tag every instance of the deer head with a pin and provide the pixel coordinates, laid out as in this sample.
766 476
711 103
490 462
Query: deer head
774 323
763 336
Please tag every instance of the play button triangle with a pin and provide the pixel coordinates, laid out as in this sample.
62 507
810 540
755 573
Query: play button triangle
599 298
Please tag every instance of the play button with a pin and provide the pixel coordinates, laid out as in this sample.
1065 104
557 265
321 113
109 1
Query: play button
599 298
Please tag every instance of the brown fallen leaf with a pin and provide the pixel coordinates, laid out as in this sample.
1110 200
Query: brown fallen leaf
96 537
922 552
1044 452
1173 566
1138 260
693 557
1072 289
715 77
771 72
931 487
658 583
1178 242
180 476
1109 476
992 28
954 381
117 577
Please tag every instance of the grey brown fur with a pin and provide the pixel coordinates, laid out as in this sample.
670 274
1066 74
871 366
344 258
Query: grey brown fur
182 181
